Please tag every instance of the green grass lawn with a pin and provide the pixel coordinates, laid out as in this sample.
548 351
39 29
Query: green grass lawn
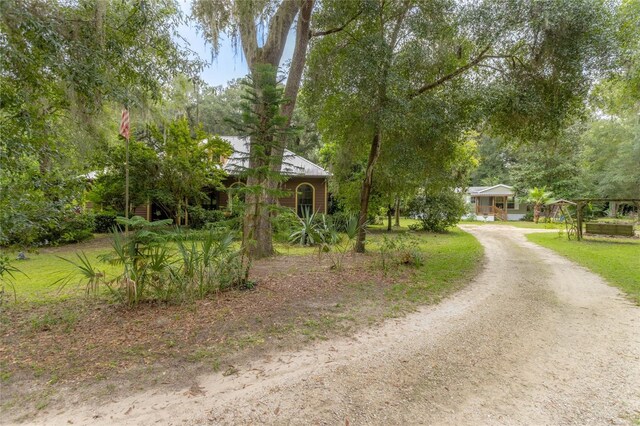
449 256
43 273
616 260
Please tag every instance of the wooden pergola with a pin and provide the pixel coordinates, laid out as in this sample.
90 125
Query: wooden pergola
581 202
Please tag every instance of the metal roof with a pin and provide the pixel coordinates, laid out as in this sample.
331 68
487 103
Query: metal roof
292 164
489 190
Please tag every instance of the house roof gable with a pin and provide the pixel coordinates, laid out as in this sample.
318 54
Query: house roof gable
292 164
500 189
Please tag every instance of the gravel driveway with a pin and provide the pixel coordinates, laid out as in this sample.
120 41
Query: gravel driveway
533 340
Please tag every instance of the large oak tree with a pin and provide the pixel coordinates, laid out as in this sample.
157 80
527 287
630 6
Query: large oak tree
420 73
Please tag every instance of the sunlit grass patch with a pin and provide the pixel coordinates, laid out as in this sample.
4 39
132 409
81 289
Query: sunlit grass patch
615 259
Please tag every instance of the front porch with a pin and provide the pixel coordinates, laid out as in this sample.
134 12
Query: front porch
492 207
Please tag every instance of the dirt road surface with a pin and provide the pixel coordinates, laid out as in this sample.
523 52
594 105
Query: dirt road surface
534 340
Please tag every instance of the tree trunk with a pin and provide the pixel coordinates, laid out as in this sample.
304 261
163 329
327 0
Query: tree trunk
366 191
397 212
257 232
257 235
390 213
536 213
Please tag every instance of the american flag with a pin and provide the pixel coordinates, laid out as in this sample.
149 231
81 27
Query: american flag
124 124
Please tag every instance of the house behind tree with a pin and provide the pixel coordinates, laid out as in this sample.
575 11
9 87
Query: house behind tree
496 202
306 183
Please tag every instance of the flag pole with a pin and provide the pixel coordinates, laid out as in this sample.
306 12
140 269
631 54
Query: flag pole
126 188
125 132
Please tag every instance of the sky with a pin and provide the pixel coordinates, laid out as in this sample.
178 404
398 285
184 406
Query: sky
229 64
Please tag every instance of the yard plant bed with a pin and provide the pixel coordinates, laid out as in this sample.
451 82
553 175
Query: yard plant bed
67 351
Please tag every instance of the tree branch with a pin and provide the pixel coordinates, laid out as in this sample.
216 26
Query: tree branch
334 30
298 58
279 27
451 75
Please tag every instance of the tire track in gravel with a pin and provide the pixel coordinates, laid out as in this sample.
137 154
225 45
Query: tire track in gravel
534 339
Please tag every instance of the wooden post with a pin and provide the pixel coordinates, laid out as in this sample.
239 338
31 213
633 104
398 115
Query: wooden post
579 219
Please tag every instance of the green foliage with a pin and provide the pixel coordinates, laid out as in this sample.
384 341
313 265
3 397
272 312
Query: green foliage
154 269
92 277
67 68
401 249
104 222
7 277
200 218
539 197
188 164
211 266
612 155
108 189
267 130
437 211
310 230
37 221
219 107
172 169
284 223
338 239
405 87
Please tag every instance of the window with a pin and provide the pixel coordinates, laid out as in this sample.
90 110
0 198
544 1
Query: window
304 199
511 203
473 200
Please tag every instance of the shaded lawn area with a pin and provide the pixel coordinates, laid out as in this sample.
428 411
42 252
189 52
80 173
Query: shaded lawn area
100 350
615 259
44 271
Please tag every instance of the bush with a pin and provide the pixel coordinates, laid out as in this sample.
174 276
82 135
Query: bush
73 228
310 229
283 224
437 212
199 217
45 227
104 222
340 220
402 249
528 217
152 269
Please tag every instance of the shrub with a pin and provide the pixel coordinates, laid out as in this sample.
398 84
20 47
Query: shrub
104 222
402 249
154 270
338 240
309 230
73 227
528 217
283 224
45 226
199 217
340 220
437 212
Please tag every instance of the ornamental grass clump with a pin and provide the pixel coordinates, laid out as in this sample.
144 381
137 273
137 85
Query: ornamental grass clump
159 264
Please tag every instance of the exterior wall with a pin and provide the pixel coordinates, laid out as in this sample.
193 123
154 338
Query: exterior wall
319 189
319 200
142 211
521 208
515 216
